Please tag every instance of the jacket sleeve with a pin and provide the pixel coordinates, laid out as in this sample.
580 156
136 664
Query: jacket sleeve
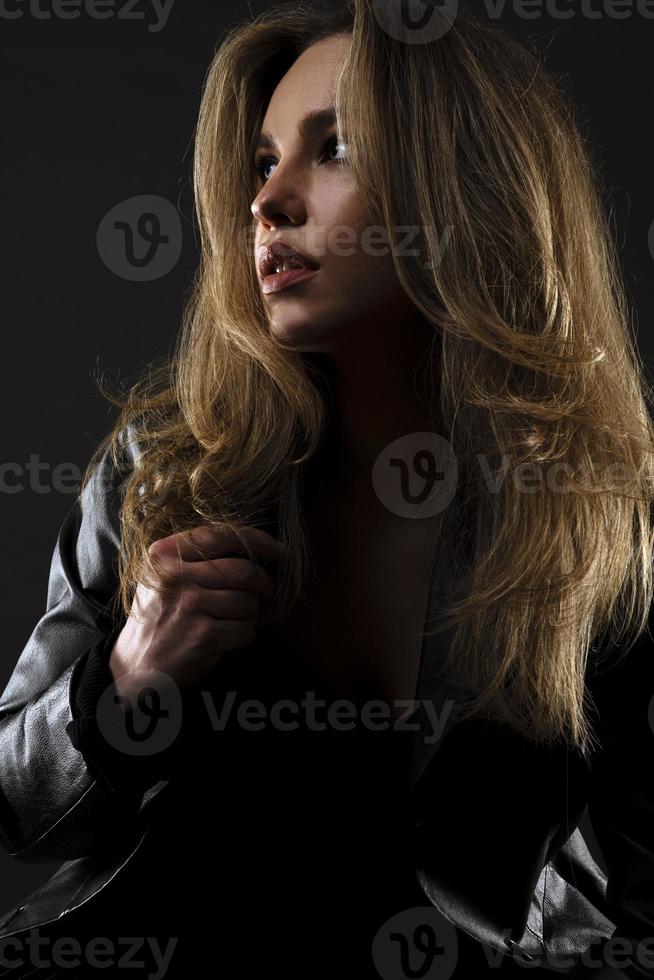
117 770
621 801
52 806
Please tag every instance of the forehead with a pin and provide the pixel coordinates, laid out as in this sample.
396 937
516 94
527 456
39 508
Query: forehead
309 84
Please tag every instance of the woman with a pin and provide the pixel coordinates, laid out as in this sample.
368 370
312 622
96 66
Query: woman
400 462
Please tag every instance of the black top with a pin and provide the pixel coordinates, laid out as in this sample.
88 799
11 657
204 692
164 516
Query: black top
295 842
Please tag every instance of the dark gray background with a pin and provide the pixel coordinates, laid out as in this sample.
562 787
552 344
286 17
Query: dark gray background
98 111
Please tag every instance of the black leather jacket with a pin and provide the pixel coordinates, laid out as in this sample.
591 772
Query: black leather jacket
516 874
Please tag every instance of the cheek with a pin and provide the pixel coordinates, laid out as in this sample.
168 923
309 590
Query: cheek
355 256
345 228
359 254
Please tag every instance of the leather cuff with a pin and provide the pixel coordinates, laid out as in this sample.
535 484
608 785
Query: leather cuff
117 770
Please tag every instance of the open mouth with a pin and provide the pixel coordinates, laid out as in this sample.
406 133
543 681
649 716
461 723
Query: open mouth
287 276
280 257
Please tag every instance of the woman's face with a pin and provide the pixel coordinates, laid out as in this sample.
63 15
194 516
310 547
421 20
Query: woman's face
308 198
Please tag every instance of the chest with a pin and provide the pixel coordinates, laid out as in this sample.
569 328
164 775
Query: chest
359 618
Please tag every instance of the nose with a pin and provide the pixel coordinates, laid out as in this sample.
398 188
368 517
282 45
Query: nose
277 205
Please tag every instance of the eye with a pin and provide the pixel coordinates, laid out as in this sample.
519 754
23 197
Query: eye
261 162
335 142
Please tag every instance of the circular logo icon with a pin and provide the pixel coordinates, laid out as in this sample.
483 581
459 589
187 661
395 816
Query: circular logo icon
417 942
416 475
415 21
140 238
146 722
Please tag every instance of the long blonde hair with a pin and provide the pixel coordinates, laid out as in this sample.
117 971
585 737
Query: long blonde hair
532 359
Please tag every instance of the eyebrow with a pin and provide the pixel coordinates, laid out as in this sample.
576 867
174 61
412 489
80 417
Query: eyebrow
313 122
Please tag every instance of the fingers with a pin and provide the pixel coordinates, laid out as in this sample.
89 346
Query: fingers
219 573
225 604
203 542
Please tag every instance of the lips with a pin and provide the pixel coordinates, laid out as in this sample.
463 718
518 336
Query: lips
270 256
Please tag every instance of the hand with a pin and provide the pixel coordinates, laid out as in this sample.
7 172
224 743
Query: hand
213 609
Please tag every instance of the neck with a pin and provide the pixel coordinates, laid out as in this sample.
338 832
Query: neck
377 395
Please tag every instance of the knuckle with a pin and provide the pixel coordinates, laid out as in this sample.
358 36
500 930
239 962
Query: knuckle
200 536
189 601
229 569
199 630
156 548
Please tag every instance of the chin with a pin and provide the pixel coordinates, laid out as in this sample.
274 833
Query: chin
299 336
317 330
294 329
